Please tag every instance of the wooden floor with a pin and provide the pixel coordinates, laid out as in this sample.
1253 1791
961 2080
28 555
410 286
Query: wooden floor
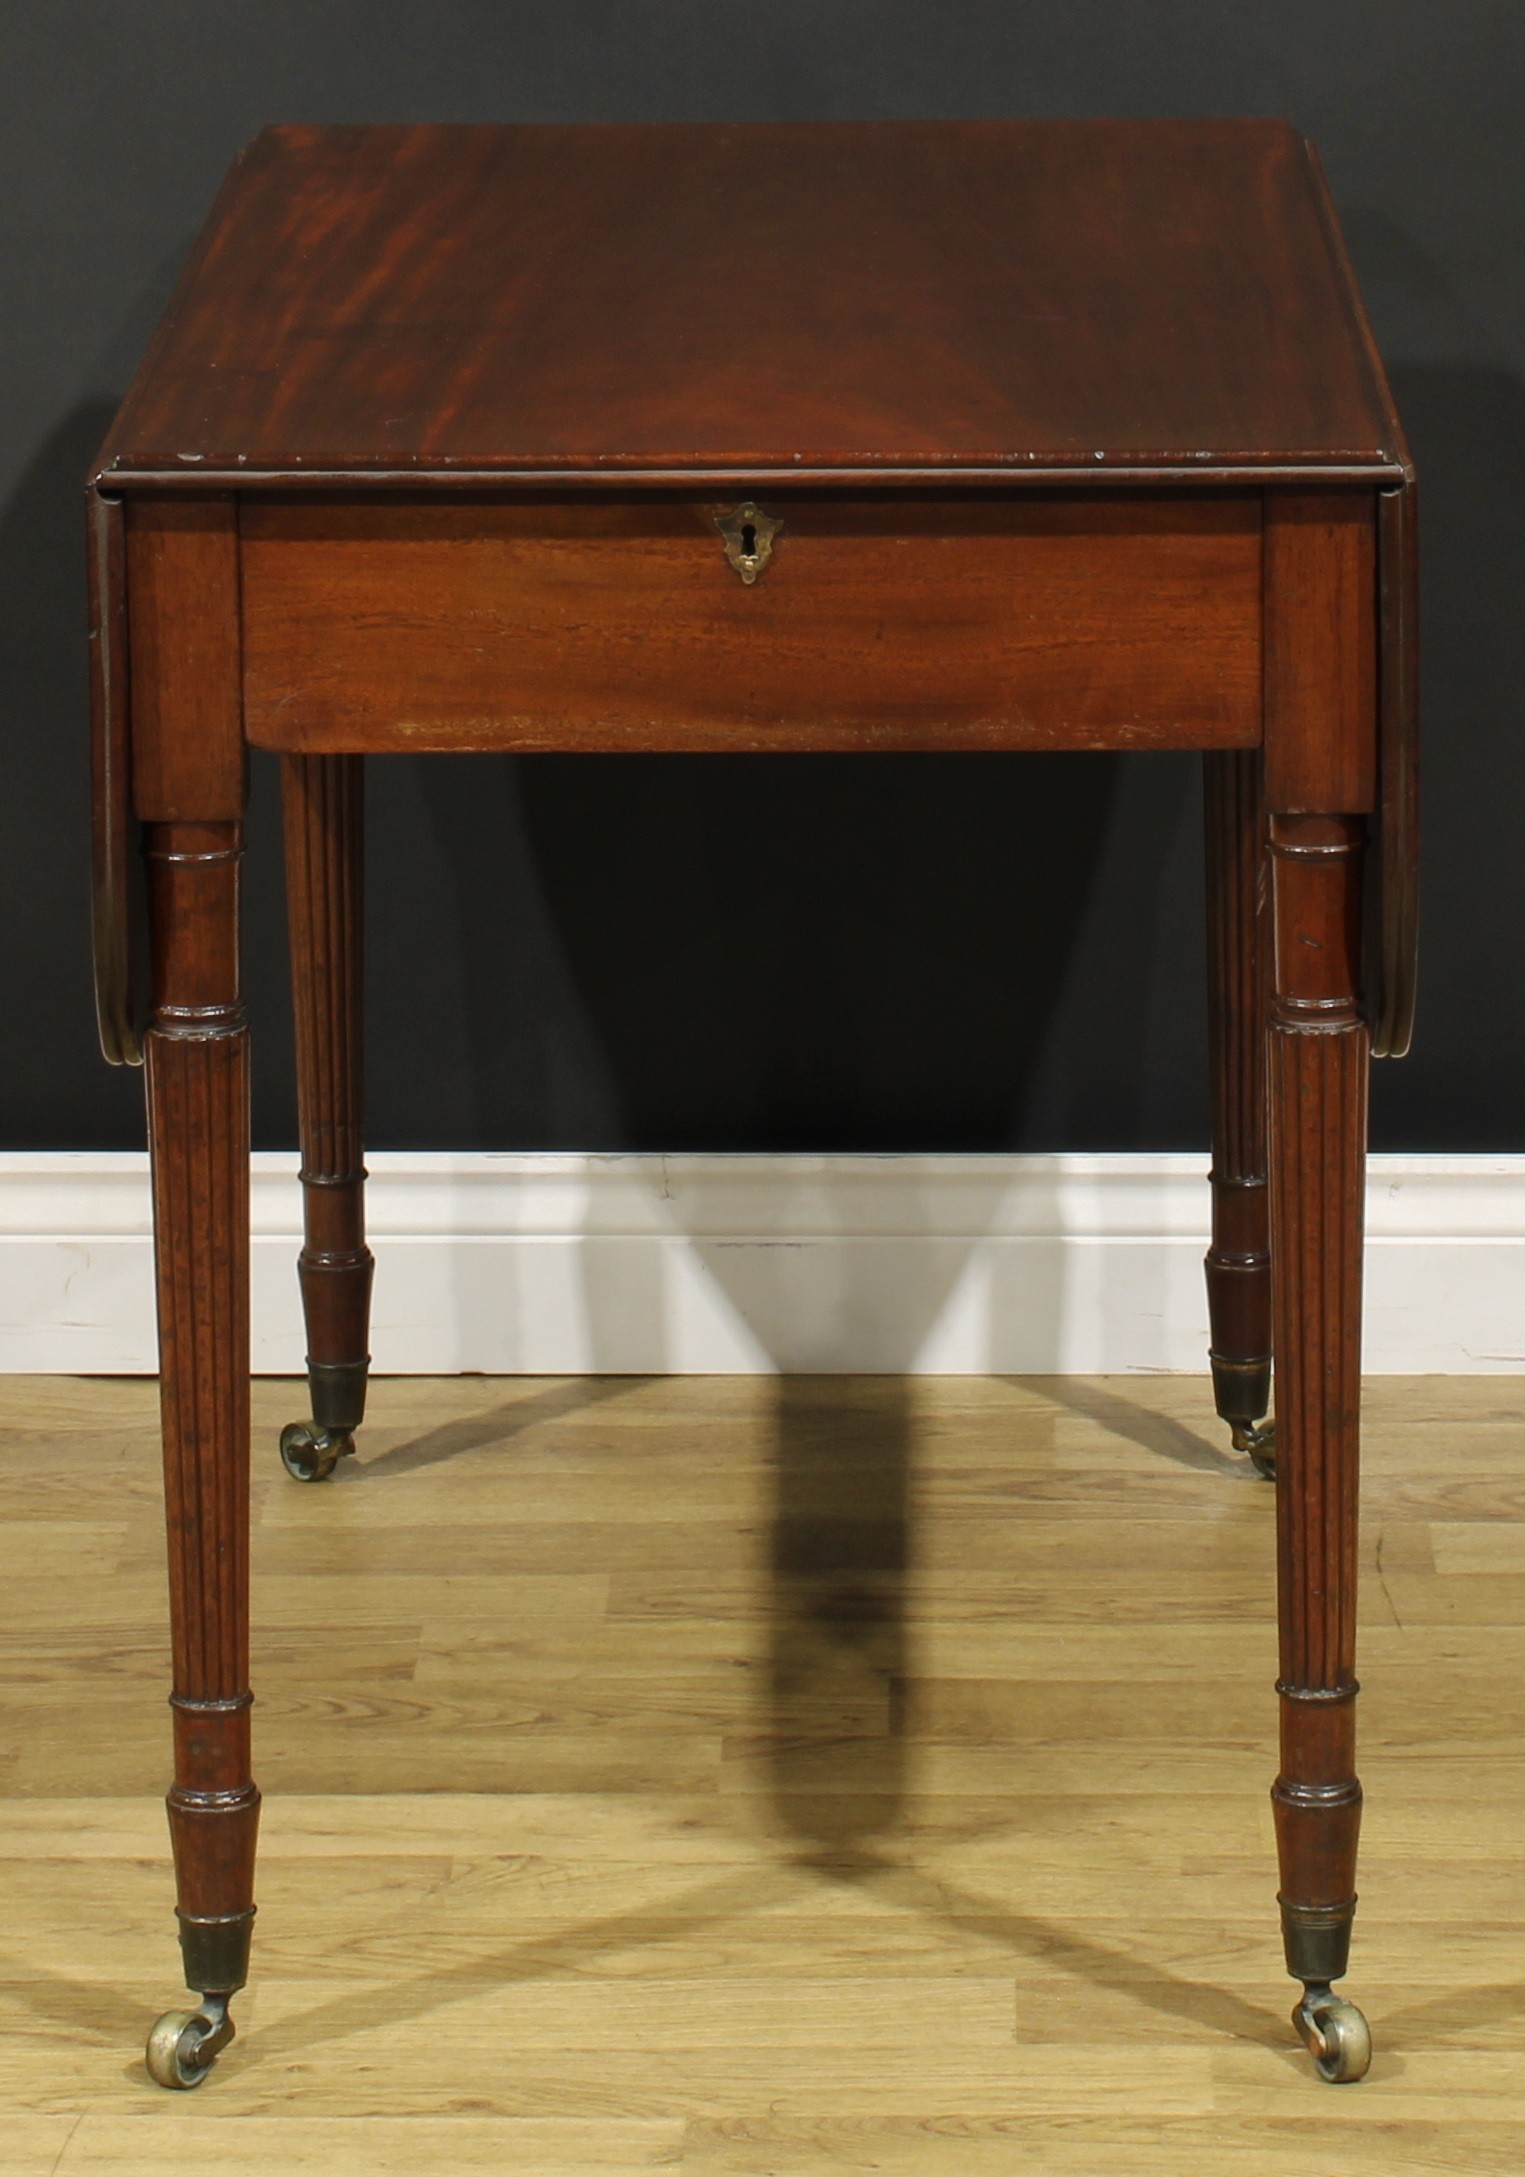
742 1777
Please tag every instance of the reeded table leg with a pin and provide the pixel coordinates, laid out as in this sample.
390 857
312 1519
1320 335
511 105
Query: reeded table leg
1239 1259
323 798
197 1052
1318 1068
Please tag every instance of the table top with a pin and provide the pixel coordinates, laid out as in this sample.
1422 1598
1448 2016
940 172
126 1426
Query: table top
892 300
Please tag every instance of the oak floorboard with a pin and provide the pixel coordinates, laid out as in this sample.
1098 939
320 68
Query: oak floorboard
765 1779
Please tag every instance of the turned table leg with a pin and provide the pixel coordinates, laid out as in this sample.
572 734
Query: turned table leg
1318 1068
1239 1258
323 799
197 1053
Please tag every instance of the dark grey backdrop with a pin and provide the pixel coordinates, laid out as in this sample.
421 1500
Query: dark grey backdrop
770 953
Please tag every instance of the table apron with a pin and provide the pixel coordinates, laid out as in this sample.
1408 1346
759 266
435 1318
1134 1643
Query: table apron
1108 621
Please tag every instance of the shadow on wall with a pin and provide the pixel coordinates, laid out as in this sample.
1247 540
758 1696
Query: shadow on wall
785 953
823 909
879 944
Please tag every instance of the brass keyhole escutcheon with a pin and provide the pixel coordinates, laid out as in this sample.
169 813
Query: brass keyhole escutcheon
748 535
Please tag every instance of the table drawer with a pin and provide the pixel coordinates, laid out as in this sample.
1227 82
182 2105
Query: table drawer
1078 621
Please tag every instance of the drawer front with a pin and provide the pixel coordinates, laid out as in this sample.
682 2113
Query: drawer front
878 622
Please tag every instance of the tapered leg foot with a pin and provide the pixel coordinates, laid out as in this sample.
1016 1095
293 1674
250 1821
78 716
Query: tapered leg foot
184 2045
1259 1446
1242 1403
310 1450
1242 1393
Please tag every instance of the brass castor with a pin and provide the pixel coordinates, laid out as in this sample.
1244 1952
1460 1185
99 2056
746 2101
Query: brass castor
1336 2035
184 2045
1257 1440
1242 1394
310 1454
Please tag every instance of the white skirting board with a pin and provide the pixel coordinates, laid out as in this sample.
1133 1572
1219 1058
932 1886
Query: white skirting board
569 1264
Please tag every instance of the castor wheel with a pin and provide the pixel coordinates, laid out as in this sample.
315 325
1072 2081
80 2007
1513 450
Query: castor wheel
1257 1440
184 2045
1336 2035
310 1454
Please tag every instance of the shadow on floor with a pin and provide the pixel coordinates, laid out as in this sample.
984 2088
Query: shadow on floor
1153 1432
499 1425
831 1738
840 1562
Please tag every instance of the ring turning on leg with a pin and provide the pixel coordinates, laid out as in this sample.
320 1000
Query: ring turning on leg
323 799
198 1102
1318 1066
1239 1258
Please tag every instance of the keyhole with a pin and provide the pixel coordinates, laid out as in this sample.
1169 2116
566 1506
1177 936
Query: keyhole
749 533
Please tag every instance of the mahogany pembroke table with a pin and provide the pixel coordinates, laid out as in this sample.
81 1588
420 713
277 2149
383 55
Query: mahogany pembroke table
933 436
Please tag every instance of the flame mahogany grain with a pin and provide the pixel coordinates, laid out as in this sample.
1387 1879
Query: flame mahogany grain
887 623
853 295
